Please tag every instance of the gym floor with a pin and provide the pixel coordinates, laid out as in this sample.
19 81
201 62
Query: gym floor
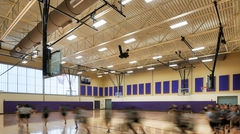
153 123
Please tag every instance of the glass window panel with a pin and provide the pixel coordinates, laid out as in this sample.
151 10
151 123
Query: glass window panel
31 80
12 78
31 72
13 70
22 71
12 87
39 81
53 90
3 86
30 88
22 88
39 89
22 80
39 73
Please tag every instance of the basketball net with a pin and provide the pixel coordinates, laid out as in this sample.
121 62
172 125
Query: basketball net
203 89
61 78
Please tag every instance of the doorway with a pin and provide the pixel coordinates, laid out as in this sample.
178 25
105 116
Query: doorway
96 105
227 99
108 104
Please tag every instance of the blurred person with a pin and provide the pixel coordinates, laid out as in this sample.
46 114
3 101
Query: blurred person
63 111
132 118
234 117
223 118
214 118
77 112
28 111
108 117
217 107
84 119
45 112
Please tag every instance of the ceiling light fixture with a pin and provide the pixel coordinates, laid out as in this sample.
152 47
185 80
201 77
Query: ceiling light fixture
140 67
157 57
126 1
129 40
132 62
193 58
93 69
130 71
179 24
80 72
50 48
78 57
63 62
173 65
71 37
148 1
207 60
102 49
113 72
99 23
24 61
150 68
110 66
198 48
105 72
35 56
99 76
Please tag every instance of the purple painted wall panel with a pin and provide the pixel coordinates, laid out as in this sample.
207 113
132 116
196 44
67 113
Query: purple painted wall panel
161 105
10 106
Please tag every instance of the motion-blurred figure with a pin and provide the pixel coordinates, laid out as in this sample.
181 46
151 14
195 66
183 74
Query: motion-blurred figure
45 113
132 118
77 116
84 119
63 110
108 117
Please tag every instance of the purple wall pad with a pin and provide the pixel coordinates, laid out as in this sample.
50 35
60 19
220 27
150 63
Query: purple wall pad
10 106
161 105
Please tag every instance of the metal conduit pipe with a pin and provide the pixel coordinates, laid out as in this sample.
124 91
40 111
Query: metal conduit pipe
56 20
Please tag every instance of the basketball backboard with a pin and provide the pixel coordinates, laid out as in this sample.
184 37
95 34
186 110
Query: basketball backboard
183 92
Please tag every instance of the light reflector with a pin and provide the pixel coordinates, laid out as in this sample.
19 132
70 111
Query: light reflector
93 69
24 62
157 57
148 1
78 57
179 24
150 68
71 37
207 60
198 48
140 67
193 58
125 2
102 49
130 71
173 65
132 62
63 62
99 23
110 66
80 72
129 40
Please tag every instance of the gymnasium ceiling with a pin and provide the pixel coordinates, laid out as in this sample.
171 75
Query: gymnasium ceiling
149 23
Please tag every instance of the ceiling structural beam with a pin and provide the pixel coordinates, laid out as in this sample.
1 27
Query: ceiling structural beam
179 55
167 65
18 18
190 47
